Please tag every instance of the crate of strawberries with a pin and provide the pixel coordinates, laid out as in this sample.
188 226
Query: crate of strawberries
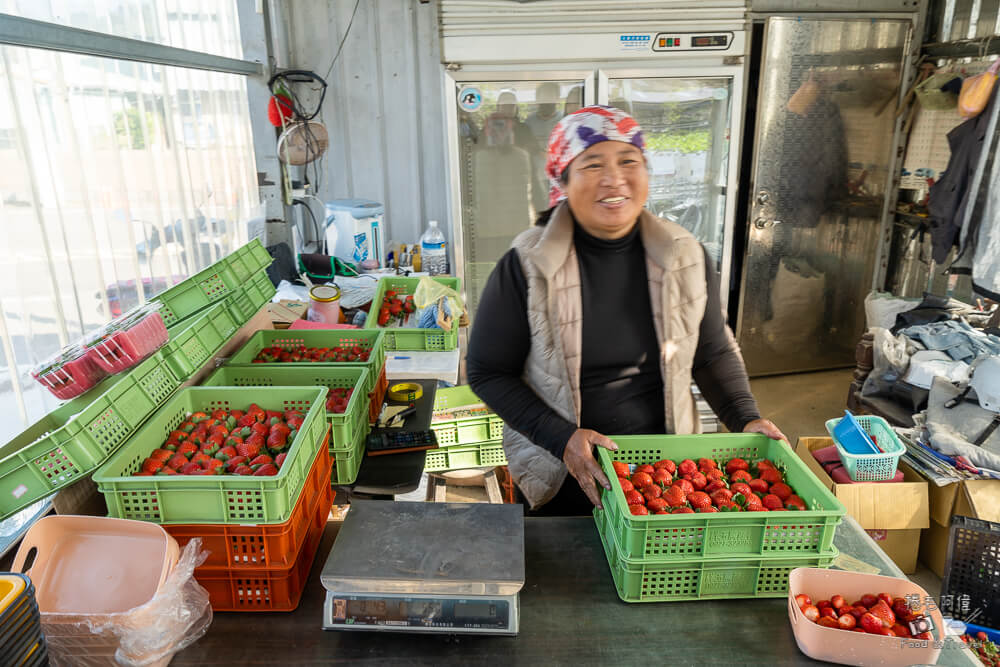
676 497
394 310
346 403
218 455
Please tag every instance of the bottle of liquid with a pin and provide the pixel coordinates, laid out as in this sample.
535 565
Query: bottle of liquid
432 251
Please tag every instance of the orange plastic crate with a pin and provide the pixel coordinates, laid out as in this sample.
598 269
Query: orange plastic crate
236 547
378 396
241 589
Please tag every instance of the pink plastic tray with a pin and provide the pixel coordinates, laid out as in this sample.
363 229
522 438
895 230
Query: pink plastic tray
126 348
853 648
72 378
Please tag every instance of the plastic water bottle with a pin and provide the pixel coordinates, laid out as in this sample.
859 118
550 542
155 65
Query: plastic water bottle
432 251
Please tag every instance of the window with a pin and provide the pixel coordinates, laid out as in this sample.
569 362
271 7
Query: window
118 178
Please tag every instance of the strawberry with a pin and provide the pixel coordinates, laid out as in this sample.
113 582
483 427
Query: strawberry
210 448
765 463
686 467
248 449
759 485
882 611
653 490
199 457
802 600
837 601
669 466
212 464
871 624
177 461
823 604
828 622
277 441
243 470
177 436
626 484
754 504
795 503
621 469
885 597
261 460
198 417
142 473
900 630
740 476
721 496
698 481
226 453
187 448
266 470
736 464
662 477
675 496
657 505
772 502
887 632
261 428
682 510
189 468
708 509
741 488
714 486
151 465
847 621
638 510
868 600
714 474
706 464
234 462
280 459
857 611
811 612
646 468
699 500
685 485
781 490
634 498
161 455
771 475
828 612
900 607
641 479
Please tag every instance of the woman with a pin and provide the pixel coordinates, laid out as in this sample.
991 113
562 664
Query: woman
597 319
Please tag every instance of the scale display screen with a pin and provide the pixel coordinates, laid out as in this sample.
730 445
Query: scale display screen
425 613
705 41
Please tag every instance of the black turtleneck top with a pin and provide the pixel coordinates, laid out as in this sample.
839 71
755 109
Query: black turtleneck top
620 384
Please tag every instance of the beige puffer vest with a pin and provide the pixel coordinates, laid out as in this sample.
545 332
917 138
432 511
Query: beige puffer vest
675 264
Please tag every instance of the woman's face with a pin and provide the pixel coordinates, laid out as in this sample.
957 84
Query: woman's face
607 188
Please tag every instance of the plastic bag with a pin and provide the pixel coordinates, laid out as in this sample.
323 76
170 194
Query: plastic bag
976 91
436 304
891 358
177 616
881 308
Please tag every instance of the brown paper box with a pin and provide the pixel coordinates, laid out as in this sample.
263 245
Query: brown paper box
894 506
900 545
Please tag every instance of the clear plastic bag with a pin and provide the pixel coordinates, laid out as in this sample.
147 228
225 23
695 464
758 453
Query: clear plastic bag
177 616
437 305
891 358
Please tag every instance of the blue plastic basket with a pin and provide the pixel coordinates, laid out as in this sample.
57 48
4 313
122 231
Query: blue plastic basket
853 437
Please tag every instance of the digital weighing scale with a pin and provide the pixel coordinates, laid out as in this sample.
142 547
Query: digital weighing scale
446 568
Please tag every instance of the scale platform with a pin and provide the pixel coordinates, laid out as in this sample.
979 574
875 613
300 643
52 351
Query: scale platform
447 568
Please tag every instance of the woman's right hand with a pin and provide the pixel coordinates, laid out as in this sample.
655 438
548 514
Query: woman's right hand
580 461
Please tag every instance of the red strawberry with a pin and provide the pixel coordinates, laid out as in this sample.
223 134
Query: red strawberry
277 441
741 487
759 485
634 498
243 470
828 622
708 509
714 474
621 469
736 464
900 630
765 463
740 476
795 503
685 485
857 611
781 490
707 464
280 458
885 597
261 460
754 504
721 497
656 505
771 476
261 428
638 510
641 479
699 500
868 600
773 502
646 468
212 464
199 457
661 476
210 448
266 470
811 612
226 453
248 449
698 481
847 621
887 632
669 466
837 601
675 496
686 467
682 510
871 624
626 484
177 461
828 612
654 490
822 604
187 448
152 465
714 486
802 600
235 462
161 455
882 611
143 473
190 469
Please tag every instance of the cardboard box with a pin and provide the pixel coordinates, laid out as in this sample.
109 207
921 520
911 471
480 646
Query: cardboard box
893 513
285 312
978 498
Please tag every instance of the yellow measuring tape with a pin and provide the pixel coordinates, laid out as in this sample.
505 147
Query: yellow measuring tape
405 391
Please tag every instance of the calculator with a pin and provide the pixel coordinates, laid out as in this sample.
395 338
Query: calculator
393 441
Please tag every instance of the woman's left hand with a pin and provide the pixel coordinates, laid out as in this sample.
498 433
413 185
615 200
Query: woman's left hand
765 427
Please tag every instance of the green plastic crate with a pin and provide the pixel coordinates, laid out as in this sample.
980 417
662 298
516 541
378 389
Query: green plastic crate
286 338
219 498
459 457
452 429
195 340
403 338
702 578
76 437
246 301
346 465
677 537
347 430
247 260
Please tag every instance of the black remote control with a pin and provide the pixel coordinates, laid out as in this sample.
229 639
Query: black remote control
390 441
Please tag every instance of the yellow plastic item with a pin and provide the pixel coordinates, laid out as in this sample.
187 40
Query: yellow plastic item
11 587
854 648
976 91
85 565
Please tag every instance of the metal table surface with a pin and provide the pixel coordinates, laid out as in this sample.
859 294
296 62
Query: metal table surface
570 614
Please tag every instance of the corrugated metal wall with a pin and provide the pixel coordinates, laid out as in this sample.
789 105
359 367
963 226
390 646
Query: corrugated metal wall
383 106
